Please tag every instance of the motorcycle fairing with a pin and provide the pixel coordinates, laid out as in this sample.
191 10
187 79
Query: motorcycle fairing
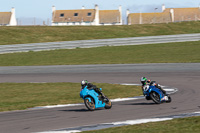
92 93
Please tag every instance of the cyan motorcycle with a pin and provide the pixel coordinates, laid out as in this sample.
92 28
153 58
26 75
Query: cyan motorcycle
93 100
155 94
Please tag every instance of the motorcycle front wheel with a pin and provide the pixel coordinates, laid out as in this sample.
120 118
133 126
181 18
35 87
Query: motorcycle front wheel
169 99
108 104
155 97
89 104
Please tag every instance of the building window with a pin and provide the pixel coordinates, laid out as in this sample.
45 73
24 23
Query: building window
62 15
89 14
75 14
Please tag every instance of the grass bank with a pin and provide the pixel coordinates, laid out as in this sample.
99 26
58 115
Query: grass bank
182 125
20 96
36 34
181 52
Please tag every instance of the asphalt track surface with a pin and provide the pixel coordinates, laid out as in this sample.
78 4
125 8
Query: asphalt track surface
184 76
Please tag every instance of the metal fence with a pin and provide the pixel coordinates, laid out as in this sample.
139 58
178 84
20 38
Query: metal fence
98 43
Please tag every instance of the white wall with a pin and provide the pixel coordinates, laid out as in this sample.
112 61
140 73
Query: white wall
72 23
13 21
96 20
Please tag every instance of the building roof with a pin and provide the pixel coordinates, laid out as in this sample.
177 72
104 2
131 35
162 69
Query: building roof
109 16
82 15
148 18
5 18
186 14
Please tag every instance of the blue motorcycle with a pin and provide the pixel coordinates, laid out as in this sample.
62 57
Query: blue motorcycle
93 100
152 93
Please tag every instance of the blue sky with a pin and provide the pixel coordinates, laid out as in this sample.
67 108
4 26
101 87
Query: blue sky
28 11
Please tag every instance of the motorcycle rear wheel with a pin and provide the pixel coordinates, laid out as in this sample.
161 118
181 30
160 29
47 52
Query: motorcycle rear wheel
88 104
155 97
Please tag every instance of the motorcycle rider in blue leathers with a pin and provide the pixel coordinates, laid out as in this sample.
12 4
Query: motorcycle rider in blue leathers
146 83
91 86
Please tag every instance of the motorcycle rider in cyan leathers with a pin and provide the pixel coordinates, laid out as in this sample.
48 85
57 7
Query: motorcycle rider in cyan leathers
90 86
146 83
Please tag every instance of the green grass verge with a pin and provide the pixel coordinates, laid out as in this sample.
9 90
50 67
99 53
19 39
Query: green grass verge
181 52
36 34
182 125
20 96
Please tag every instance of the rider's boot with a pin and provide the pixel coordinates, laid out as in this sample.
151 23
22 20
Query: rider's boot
104 97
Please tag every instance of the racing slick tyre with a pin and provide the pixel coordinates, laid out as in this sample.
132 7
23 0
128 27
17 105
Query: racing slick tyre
108 103
89 104
169 99
148 98
155 97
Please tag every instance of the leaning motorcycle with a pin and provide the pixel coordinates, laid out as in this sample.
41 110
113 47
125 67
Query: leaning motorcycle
93 100
153 93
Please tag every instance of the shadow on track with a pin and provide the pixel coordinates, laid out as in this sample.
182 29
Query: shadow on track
81 110
140 104
75 110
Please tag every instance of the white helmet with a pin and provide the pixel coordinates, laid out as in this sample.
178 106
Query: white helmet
84 82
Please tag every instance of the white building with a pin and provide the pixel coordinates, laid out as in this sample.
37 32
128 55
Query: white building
166 16
8 18
86 17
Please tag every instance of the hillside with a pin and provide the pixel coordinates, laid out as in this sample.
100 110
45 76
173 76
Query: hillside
36 34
